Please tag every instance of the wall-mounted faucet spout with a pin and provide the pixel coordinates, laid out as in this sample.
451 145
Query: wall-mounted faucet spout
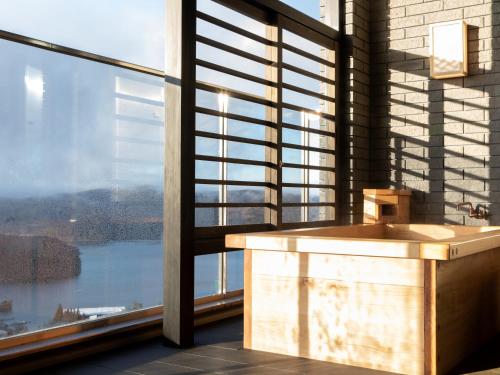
479 212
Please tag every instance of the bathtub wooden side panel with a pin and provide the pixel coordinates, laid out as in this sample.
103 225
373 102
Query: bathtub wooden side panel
361 311
467 306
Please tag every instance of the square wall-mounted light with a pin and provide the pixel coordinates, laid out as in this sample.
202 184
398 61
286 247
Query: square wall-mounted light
448 49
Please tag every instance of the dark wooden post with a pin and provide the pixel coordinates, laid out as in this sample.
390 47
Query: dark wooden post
178 284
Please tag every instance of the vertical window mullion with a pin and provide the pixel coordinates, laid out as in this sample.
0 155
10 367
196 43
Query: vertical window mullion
279 121
223 152
303 160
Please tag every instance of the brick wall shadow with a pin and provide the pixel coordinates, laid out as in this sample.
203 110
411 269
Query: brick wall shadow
435 137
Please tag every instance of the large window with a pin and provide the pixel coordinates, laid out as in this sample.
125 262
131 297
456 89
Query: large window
81 165
82 150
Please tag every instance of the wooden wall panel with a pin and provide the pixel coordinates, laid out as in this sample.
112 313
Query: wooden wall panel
353 320
178 280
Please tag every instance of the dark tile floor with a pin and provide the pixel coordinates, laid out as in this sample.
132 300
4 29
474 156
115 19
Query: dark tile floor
218 350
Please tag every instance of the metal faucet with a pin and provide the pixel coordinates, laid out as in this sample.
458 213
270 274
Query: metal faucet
478 213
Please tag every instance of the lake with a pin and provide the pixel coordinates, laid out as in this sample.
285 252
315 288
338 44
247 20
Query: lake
120 273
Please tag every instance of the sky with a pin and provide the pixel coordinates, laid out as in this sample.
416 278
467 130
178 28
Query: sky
309 7
68 124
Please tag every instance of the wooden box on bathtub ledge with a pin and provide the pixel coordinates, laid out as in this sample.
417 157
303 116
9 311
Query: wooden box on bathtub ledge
412 299
386 206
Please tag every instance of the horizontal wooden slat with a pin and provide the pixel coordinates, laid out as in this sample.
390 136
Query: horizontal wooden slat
234 94
292 184
308 148
233 116
309 130
235 205
233 28
309 204
234 138
234 183
313 167
220 231
236 161
233 50
235 73
308 55
341 267
307 92
297 19
308 110
307 73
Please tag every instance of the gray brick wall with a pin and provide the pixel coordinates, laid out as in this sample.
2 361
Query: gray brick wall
440 138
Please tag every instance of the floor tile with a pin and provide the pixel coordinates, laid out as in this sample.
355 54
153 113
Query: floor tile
218 350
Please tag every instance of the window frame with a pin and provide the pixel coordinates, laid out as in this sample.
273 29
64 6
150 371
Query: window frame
272 14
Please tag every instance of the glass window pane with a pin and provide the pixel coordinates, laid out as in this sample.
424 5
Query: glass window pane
246 215
235 128
309 102
293 176
309 7
293 156
207 146
317 195
223 80
207 193
128 30
208 123
291 195
234 270
321 177
241 172
305 82
206 217
245 194
321 213
231 38
248 130
292 136
302 43
211 100
229 60
230 16
292 214
207 170
246 151
206 275
82 188
305 119
302 62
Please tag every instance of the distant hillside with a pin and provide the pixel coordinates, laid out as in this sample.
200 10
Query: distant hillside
102 215
37 259
90 216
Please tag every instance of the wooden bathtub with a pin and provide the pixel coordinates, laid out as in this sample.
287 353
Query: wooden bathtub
405 298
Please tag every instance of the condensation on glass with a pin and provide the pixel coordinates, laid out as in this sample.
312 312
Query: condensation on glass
81 165
127 30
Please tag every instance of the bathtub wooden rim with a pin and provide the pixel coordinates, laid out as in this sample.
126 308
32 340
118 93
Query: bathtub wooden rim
389 248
